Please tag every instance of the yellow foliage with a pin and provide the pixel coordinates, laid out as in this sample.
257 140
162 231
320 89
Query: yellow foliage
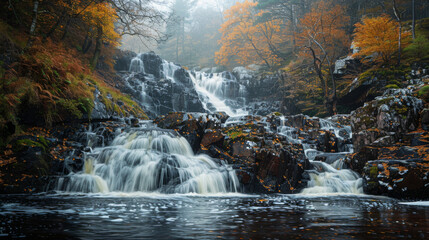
104 16
379 35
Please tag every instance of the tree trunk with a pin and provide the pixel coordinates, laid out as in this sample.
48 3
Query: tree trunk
66 28
177 46
97 51
292 22
54 27
398 18
334 92
87 43
413 25
33 24
182 29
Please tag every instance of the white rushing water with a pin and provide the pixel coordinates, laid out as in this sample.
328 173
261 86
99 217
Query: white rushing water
217 92
168 69
150 160
212 90
329 177
137 64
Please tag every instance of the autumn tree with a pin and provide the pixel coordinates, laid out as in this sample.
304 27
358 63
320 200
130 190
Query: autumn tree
322 38
378 37
101 17
247 40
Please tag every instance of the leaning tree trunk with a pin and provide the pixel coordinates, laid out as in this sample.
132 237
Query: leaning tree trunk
33 24
97 51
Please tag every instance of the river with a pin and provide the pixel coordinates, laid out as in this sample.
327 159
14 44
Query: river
227 216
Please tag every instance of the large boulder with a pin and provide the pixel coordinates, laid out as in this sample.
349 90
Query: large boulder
191 126
161 96
152 64
123 60
405 179
386 119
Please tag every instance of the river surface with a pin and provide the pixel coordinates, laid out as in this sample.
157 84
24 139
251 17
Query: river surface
161 216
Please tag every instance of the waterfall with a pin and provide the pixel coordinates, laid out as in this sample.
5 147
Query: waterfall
216 92
330 176
211 102
150 160
168 70
137 64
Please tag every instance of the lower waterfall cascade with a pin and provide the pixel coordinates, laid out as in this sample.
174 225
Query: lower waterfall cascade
331 176
150 160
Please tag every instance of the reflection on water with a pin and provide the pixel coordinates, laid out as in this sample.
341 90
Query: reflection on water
208 217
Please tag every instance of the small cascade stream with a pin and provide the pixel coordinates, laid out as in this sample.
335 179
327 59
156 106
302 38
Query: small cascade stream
330 176
150 160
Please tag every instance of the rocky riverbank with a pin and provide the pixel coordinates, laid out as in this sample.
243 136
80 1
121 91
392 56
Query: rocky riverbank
270 152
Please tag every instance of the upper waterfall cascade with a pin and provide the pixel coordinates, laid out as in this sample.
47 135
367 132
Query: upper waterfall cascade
150 160
217 92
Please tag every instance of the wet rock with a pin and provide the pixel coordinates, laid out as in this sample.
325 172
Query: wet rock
123 60
152 63
425 119
222 116
404 179
192 126
358 160
159 96
394 114
27 162
212 137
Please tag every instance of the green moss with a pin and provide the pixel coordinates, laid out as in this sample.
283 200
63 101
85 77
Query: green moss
384 101
43 141
392 86
367 75
373 172
20 144
424 93
70 107
401 109
128 105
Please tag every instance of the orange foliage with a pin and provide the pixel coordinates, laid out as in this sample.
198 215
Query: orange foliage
379 35
323 38
246 40
324 30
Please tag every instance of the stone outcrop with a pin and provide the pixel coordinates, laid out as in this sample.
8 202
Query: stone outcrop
405 175
386 119
391 149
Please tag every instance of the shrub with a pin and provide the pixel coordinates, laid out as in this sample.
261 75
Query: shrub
419 49
424 93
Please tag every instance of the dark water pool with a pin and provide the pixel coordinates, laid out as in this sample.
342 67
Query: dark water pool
210 217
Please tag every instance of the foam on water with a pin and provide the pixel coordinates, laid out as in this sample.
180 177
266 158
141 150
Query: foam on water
326 177
150 160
